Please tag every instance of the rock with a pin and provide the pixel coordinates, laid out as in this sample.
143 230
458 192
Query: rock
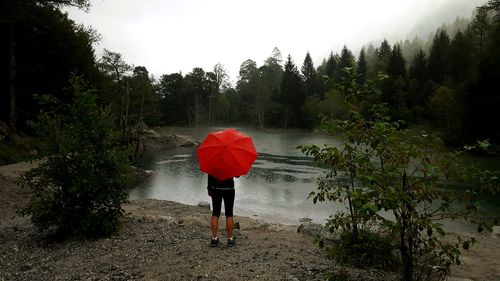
152 133
152 140
138 175
309 228
188 143
291 278
496 231
185 141
450 278
204 204
302 220
237 225
168 219
317 230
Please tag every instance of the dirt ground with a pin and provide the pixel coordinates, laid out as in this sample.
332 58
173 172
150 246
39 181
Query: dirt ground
162 240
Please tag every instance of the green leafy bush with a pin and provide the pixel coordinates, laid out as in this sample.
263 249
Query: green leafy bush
79 189
366 249
14 148
394 181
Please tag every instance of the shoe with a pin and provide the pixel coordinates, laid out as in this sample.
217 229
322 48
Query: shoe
214 242
231 242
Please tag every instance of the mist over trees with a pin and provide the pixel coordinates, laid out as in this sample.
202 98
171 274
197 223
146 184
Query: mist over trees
448 82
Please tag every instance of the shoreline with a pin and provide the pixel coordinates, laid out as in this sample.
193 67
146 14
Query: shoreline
165 240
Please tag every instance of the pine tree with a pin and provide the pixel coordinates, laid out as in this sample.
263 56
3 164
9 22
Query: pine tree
438 57
462 62
309 75
487 90
417 97
292 94
268 87
331 65
362 68
384 51
418 67
246 88
397 65
380 60
346 60
480 26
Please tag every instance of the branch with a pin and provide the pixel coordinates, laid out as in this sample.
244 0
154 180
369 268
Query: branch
81 4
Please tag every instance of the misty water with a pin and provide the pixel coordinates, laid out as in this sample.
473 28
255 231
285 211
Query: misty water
275 189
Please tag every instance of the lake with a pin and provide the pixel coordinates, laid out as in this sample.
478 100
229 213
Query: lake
275 189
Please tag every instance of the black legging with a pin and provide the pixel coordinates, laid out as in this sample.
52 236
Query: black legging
217 196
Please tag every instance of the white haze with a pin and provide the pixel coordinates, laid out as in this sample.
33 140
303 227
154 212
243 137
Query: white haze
168 36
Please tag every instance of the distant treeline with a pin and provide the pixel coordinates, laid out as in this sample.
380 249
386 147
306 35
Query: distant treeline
449 84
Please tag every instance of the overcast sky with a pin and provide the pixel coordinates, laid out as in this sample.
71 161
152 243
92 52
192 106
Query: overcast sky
168 36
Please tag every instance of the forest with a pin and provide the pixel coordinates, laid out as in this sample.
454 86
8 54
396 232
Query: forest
447 83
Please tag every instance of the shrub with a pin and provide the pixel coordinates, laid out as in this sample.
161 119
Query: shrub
14 148
381 168
366 249
79 189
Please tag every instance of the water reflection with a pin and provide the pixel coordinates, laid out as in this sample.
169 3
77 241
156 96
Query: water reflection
275 189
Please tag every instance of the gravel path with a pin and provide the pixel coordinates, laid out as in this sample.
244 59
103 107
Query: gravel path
160 240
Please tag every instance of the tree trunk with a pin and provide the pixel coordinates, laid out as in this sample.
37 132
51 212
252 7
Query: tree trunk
12 76
142 112
196 111
406 241
127 106
259 108
286 118
210 113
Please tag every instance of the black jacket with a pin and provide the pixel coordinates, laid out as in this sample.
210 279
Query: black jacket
215 183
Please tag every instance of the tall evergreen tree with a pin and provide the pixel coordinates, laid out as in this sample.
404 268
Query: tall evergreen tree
417 97
267 83
384 51
346 60
246 88
487 90
331 65
292 95
418 67
397 65
273 71
362 68
378 63
438 57
462 62
394 89
309 75
480 26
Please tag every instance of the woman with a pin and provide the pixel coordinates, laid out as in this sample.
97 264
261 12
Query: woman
218 190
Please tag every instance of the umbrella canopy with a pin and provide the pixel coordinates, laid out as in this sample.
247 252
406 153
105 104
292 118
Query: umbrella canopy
226 154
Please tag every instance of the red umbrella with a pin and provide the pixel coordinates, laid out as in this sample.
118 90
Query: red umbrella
226 154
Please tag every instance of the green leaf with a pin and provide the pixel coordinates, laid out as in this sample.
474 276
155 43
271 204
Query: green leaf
370 208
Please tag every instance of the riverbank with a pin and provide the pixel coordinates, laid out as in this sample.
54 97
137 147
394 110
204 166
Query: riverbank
159 240
163 240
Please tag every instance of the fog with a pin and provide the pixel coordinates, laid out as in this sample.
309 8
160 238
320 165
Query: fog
172 36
